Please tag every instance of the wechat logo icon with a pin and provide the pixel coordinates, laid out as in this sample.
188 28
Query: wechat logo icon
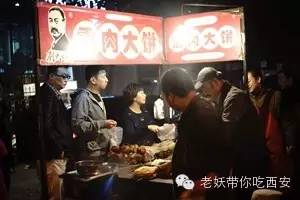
183 180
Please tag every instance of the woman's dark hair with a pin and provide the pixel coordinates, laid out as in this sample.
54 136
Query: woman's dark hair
256 73
130 92
177 82
287 73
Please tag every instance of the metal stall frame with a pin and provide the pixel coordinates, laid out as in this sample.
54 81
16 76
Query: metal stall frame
42 161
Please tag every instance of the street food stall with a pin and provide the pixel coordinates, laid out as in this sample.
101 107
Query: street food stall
131 171
100 37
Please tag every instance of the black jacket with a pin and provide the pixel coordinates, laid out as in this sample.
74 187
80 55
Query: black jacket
135 128
56 123
200 146
244 131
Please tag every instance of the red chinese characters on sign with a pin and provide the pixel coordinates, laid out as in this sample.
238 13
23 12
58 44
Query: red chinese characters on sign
76 36
205 37
110 41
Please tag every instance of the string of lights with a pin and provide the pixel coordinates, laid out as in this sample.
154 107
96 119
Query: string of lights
96 4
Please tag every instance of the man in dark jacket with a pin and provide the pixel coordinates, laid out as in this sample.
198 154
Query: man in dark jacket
57 129
89 116
199 151
240 124
290 121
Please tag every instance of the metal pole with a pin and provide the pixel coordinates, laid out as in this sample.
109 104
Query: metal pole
209 5
245 49
10 45
205 5
42 161
162 69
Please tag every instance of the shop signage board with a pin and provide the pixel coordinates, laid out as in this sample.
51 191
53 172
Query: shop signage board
70 35
204 37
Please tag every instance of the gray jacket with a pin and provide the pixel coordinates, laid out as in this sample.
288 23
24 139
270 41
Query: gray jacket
88 119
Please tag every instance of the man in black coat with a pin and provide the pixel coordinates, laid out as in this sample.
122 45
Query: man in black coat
200 149
240 124
57 128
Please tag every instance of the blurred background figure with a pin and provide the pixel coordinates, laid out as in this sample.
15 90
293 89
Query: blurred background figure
25 122
7 111
3 187
290 120
163 113
289 106
267 104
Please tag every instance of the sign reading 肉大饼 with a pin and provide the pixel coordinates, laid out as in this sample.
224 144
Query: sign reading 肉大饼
70 35
204 37
76 36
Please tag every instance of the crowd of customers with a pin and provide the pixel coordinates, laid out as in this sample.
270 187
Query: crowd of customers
222 131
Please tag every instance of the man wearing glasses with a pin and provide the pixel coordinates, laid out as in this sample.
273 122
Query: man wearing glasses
57 129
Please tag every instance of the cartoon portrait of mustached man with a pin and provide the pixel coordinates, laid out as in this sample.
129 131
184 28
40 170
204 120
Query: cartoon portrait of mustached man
57 29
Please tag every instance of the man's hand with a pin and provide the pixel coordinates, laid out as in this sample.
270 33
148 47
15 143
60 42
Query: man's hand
153 128
110 123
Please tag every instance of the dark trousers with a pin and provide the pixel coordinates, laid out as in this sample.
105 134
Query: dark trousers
249 169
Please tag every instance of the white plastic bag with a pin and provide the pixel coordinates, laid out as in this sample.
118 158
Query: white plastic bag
116 136
167 132
110 137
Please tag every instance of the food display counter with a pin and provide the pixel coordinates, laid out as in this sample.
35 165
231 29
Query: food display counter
143 180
